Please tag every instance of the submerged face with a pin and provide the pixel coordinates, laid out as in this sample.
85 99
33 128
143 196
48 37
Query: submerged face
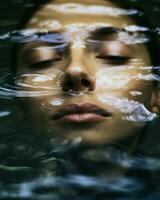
89 65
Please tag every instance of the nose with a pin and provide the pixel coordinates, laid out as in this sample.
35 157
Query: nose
78 74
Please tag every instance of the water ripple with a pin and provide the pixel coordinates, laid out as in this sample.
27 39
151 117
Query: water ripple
9 87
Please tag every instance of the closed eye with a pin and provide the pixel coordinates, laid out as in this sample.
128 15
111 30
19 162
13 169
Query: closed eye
114 60
43 64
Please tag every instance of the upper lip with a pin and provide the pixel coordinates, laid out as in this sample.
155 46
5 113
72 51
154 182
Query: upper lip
80 109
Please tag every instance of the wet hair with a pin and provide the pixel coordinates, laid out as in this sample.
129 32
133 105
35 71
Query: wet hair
139 18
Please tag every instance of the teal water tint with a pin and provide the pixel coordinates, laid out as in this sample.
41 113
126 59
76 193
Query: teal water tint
33 167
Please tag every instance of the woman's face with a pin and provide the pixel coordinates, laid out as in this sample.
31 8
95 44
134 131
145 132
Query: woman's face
89 65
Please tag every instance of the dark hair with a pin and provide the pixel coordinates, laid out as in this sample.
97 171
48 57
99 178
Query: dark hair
139 18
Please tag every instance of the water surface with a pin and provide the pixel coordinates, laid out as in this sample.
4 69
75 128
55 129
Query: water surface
34 167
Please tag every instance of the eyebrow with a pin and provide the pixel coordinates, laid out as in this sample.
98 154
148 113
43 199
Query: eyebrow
104 31
61 35
100 30
97 29
51 37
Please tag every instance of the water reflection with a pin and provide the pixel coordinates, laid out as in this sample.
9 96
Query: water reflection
131 110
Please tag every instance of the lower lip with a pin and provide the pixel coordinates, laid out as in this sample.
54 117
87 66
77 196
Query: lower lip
82 118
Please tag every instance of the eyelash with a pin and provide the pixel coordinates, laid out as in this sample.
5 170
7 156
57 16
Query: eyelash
114 60
43 64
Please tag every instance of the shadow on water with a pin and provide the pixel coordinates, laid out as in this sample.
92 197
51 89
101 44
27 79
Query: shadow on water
36 167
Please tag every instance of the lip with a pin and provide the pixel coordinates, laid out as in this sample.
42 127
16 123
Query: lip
81 113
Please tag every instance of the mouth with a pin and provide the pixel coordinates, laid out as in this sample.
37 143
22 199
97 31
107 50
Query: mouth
81 113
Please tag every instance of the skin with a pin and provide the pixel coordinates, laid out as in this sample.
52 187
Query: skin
113 73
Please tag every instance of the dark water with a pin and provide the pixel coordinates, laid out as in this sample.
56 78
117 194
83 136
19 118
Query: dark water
34 167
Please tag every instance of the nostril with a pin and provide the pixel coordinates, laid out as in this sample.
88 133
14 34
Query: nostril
85 82
69 84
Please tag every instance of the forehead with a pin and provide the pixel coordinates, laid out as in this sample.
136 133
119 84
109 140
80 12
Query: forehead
61 13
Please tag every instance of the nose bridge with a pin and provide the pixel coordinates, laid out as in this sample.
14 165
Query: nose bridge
77 66
77 60
77 57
